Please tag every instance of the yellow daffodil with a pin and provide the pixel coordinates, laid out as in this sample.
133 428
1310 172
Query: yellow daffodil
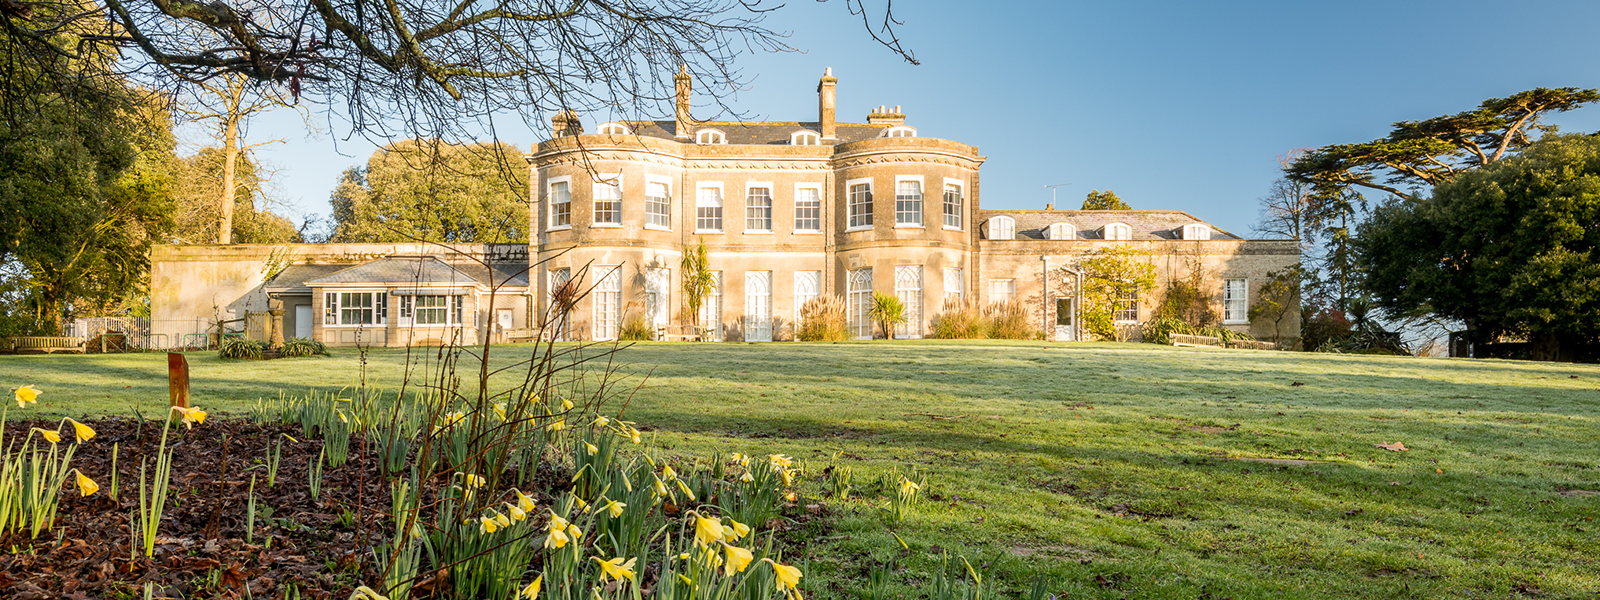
26 395
531 592
788 577
572 530
735 530
488 524
736 457
366 593
566 404
501 519
591 448
633 434
524 502
737 559
601 421
555 426
473 480
908 487
500 410
558 532
615 508
779 460
86 486
582 506
190 416
668 474
616 568
787 476
684 487
707 531
49 436
661 488
747 477
83 432
517 514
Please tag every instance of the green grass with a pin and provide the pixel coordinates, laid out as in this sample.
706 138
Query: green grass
1109 468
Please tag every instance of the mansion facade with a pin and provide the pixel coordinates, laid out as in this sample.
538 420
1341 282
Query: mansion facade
787 211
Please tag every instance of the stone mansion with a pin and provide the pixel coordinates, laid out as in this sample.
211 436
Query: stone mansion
787 211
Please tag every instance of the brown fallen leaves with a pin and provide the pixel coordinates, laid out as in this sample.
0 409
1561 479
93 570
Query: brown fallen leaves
1395 447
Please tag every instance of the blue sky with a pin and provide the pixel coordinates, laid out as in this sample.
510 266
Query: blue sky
1174 105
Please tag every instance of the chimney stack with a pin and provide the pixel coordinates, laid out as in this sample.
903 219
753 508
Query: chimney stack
884 116
566 123
681 130
825 104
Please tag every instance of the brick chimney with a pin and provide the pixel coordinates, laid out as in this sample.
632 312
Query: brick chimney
566 123
825 104
681 130
885 117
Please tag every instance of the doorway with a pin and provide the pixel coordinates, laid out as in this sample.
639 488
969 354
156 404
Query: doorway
1065 332
302 321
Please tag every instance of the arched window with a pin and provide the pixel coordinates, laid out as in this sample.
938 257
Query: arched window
710 136
899 131
805 138
614 129
1116 231
1196 231
1002 228
1062 231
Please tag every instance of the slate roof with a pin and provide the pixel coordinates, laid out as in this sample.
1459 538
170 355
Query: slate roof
759 132
1146 224
296 276
415 270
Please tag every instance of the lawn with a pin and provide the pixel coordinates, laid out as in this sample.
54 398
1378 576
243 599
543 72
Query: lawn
1114 470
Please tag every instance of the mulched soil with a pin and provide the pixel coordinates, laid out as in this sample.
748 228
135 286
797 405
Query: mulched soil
307 549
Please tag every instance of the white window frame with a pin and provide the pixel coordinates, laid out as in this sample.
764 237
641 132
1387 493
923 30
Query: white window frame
805 137
1062 231
749 187
607 302
700 202
899 131
1116 231
659 180
758 306
1002 290
451 307
865 222
710 137
657 296
955 284
550 194
1236 301
859 307
807 287
815 187
1125 307
711 309
908 284
1197 231
605 180
613 128
1002 228
333 307
960 205
556 278
920 203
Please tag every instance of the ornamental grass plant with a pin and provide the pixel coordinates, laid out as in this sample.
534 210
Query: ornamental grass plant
822 319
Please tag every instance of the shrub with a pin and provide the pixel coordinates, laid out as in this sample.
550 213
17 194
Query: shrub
1009 321
635 328
960 320
298 347
822 319
1160 330
888 311
240 348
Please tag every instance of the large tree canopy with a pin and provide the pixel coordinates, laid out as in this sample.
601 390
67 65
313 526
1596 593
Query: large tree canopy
1426 153
1508 249
426 190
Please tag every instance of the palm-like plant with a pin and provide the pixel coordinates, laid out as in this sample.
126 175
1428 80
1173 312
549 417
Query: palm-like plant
698 282
888 311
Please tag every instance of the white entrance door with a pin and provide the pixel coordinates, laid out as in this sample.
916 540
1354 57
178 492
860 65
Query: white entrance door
302 321
861 303
1065 332
758 306
656 292
908 286
607 302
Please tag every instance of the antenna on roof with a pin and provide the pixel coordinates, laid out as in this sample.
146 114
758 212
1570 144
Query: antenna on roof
1052 188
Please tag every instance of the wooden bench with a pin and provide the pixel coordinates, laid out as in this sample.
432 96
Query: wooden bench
519 336
1252 345
46 344
1194 341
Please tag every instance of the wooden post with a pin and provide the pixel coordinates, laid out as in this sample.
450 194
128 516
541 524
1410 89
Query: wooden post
178 379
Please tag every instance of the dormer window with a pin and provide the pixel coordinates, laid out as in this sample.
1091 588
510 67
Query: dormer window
1116 231
614 129
899 131
805 138
1062 231
1002 228
1197 231
710 136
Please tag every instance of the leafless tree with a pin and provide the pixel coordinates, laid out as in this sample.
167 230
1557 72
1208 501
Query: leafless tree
1289 208
227 103
436 68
